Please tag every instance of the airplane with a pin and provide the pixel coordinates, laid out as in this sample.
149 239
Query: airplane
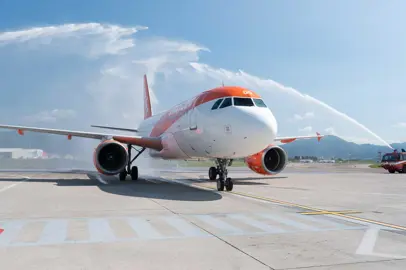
221 124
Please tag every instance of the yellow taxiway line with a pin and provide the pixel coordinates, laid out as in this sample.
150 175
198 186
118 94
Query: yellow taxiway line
331 212
314 210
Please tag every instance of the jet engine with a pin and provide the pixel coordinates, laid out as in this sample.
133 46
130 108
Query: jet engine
271 160
110 157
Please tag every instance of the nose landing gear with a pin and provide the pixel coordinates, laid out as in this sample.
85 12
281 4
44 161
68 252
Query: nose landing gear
221 171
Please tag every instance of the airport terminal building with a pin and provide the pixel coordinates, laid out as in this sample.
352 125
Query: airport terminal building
21 153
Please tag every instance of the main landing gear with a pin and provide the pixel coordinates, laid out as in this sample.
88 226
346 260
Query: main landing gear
221 171
133 171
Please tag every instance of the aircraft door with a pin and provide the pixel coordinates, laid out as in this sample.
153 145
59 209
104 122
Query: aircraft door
192 117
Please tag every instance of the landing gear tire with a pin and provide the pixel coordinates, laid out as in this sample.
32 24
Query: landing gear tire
222 172
134 173
220 184
212 173
122 175
229 184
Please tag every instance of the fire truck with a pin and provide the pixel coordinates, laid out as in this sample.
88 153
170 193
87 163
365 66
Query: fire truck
394 162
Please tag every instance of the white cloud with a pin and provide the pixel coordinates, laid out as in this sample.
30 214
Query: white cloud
330 131
96 70
307 115
88 39
51 116
400 125
307 129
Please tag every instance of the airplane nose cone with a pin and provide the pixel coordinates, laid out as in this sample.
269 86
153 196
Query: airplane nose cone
264 126
259 127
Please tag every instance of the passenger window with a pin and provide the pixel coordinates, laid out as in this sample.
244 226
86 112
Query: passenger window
243 102
259 102
226 103
216 104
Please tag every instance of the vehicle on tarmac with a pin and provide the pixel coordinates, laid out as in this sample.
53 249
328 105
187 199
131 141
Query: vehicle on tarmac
394 161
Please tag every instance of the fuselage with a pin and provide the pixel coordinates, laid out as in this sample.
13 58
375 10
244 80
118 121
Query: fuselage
225 122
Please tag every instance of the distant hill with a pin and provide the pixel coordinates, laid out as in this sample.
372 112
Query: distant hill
335 147
328 147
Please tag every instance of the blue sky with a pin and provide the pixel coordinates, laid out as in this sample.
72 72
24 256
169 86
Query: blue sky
348 54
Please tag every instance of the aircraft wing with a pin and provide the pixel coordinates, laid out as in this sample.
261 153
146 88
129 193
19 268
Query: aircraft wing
291 139
116 128
147 142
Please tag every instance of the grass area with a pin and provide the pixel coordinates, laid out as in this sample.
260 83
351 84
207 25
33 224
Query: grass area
375 166
364 161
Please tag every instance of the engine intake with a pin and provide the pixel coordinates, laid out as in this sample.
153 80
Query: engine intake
110 157
271 160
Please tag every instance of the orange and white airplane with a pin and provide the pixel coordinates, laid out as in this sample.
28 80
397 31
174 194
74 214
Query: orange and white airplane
222 124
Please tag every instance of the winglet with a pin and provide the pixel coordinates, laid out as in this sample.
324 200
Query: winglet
147 100
319 136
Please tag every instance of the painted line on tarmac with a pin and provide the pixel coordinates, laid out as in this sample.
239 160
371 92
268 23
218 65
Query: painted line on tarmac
331 212
25 179
305 207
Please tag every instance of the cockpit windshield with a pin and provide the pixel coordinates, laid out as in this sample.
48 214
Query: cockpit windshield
243 102
238 102
259 102
217 104
227 102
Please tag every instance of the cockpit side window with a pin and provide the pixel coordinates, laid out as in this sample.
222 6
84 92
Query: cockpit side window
243 102
227 102
259 102
216 104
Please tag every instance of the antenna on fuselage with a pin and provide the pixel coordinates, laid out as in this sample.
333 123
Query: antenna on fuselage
222 83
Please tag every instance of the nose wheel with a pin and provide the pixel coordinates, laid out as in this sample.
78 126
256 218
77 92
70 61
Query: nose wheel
223 181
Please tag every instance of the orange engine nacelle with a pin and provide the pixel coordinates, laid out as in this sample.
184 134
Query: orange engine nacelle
110 157
271 160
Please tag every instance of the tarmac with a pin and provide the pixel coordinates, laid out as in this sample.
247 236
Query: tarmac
312 216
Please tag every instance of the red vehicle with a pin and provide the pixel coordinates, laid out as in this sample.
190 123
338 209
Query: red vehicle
394 162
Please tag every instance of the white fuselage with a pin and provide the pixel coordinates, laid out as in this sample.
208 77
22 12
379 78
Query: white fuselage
230 132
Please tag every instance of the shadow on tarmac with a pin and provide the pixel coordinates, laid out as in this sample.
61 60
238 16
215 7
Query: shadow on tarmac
141 188
241 181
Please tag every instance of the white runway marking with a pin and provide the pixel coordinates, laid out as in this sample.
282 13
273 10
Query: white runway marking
219 224
184 227
255 223
143 228
100 230
11 231
368 242
288 222
15 184
55 231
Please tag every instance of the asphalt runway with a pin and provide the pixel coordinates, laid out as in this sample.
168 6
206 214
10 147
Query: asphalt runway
309 217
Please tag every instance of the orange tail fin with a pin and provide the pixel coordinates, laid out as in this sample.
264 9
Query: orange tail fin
147 100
